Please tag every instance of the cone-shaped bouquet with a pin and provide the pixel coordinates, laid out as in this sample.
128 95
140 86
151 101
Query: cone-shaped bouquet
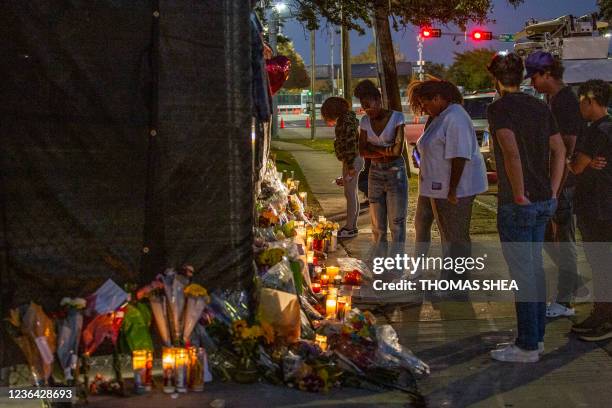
197 298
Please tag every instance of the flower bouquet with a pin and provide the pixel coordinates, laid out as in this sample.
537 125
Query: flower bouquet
34 333
135 328
197 299
69 335
174 286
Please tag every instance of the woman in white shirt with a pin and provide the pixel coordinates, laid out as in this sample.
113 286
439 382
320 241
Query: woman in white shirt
452 170
381 139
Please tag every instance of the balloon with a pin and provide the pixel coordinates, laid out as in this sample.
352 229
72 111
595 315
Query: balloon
278 72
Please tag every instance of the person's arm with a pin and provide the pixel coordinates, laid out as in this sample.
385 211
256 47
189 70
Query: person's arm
557 162
365 147
512 164
598 163
579 163
457 166
396 149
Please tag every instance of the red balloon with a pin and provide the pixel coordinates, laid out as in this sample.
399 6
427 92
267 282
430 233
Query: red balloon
278 72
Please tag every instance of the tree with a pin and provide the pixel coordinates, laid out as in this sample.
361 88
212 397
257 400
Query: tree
469 69
369 55
435 69
605 10
353 14
298 76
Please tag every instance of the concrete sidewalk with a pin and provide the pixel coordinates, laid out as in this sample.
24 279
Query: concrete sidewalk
455 338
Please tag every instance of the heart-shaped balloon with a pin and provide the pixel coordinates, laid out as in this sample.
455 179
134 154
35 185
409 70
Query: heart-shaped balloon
278 72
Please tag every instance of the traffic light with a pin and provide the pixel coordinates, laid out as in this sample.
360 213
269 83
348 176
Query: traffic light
427 32
479 35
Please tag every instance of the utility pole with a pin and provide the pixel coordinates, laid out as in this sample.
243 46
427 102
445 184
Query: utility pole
274 17
331 61
420 62
345 60
313 73
386 62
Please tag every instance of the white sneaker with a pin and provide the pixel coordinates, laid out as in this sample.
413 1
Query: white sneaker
514 354
540 346
555 309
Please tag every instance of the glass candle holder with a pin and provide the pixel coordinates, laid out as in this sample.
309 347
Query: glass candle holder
316 287
139 365
324 280
168 362
330 307
180 373
321 341
196 369
333 271
341 308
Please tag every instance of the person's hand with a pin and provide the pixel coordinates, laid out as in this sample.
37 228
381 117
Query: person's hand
521 200
352 172
339 181
598 163
452 197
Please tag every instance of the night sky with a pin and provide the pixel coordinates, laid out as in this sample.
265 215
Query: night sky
508 20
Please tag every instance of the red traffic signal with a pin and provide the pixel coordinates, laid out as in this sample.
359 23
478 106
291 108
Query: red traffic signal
431 32
482 35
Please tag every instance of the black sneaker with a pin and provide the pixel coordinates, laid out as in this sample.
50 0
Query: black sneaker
592 322
347 233
602 332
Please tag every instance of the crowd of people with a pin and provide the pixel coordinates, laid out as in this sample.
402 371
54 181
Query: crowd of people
552 162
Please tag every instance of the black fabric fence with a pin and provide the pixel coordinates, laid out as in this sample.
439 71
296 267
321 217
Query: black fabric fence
125 144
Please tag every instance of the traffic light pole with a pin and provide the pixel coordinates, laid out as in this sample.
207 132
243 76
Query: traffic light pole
273 44
420 62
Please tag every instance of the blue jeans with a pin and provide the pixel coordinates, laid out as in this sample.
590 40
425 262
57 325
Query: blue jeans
521 232
388 197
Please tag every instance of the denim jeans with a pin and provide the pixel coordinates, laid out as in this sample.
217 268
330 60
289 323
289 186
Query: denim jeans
423 221
350 192
388 197
560 245
521 232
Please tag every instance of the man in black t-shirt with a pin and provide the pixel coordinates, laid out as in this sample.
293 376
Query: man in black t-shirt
594 205
530 157
546 74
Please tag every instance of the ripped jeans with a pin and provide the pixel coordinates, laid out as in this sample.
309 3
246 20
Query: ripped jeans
388 197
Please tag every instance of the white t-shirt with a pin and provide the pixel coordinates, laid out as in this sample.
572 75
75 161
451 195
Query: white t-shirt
387 136
450 135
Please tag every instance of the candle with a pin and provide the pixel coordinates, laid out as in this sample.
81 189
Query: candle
324 279
308 243
321 341
148 380
304 198
334 241
316 287
300 232
322 219
332 271
168 367
310 257
330 307
341 307
196 369
333 292
337 280
181 360
139 365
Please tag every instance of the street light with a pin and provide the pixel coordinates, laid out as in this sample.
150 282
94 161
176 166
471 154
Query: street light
277 9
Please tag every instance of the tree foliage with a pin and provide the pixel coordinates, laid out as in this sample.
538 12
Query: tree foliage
605 9
469 69
298 76
369 55
436 69
352 13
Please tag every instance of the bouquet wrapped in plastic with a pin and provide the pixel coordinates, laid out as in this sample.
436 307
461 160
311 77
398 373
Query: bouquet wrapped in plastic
135 327
159 309
69 335
197 299
34 333
174 286
102 327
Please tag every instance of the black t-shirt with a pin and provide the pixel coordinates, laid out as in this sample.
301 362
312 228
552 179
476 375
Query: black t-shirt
565 108
594 187
532 124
